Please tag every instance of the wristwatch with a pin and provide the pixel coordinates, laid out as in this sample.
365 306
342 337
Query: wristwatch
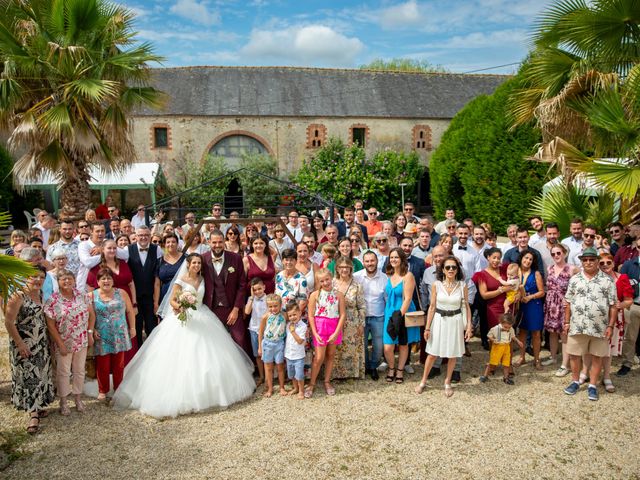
89 331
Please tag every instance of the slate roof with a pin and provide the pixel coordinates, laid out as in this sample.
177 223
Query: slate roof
313 92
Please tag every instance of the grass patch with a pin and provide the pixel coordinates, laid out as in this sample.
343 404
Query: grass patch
10 446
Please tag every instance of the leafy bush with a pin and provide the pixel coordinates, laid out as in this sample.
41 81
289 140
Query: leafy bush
480 170
259 191
193 173
343 173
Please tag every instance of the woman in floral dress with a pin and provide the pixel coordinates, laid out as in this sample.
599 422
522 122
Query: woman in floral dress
71 331
558 277
349 361
31 384
291 285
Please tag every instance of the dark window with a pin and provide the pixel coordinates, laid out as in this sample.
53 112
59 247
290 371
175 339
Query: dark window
358 136
160 137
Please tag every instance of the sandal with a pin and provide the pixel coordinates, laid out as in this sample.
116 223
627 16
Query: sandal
420 388
390 375
608 385
448 390
399 380
33 427
329 389
537 365
64 407
308 392
43 413
80 406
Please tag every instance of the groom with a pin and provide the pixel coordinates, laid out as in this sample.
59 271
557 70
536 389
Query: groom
224 287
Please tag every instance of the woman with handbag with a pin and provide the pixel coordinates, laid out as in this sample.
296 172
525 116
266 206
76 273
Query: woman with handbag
399 291
448 321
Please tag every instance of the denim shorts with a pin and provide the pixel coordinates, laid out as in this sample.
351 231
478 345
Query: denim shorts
295 369
272 352
254 342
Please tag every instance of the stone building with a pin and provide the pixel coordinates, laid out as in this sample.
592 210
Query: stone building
289 112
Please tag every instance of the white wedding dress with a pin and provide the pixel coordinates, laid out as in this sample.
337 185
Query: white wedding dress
186 368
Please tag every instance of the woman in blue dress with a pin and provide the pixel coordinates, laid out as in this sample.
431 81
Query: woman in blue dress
167 267
531 306
399 291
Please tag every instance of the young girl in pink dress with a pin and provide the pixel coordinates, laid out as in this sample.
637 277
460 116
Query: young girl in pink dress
327 314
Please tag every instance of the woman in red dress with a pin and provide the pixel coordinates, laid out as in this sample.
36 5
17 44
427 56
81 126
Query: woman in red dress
122 278
260 264
491 290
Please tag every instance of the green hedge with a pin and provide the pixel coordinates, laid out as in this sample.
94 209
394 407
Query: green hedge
479 168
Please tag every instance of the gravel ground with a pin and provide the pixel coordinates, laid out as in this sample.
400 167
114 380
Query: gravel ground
368 430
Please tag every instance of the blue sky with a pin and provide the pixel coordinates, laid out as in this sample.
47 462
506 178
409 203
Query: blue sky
461 35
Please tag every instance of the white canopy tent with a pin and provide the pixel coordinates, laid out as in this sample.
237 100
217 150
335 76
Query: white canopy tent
138 176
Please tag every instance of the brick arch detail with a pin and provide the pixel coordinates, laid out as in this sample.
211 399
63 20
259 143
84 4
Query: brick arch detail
231 133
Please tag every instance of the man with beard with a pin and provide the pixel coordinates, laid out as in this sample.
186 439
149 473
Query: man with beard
373 283
225 287
574 242
588 241
69 245
538 225
513 255
479 244
552 234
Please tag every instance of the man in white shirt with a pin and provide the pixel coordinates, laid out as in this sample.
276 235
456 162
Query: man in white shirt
574 242
538 225
373 283
216 214
139 219
422 249
449 214
69 245
479 244
468 257
588 240
512 232
190 219
89 254
293 226
314 256
551 238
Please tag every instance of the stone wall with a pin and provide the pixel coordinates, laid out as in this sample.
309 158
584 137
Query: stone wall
285 138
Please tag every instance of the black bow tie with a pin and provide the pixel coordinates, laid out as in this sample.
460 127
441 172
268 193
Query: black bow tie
461 247
144 249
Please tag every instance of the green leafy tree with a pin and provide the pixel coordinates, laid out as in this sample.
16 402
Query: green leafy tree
343 173
71 74
404 65
191 173
480 170
259 191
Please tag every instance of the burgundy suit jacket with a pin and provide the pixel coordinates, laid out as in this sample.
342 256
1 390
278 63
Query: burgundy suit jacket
233 275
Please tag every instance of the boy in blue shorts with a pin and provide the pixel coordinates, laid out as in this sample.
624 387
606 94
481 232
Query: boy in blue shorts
294 348
271 342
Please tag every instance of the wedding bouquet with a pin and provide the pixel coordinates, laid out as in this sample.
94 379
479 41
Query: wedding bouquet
187 301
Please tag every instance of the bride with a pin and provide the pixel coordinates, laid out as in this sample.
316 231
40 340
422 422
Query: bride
184 368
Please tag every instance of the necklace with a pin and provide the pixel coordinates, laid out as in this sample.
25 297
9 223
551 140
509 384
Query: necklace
449 285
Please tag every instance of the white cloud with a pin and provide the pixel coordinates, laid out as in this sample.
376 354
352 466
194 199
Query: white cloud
401 16
496 38
195 11
304 45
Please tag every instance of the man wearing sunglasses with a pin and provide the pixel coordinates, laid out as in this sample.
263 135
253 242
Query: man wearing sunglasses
590 315
588 241
373 225
139 219
381 249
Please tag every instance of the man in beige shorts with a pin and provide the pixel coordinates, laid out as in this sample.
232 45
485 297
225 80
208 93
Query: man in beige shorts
590 315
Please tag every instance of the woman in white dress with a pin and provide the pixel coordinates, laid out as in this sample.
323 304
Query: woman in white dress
189 367
448 321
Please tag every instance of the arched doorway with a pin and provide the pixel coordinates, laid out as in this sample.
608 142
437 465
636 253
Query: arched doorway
232 148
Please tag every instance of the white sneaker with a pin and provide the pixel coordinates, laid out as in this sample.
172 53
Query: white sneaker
409 369
562 371
382 367
548 361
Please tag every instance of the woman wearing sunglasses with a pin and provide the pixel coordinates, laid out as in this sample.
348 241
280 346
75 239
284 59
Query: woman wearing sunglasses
558 276
625 300
448 321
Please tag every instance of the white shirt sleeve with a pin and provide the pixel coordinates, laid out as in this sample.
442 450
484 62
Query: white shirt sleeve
84 254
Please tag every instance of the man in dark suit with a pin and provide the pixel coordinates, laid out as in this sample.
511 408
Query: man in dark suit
143 261
224 287
344 226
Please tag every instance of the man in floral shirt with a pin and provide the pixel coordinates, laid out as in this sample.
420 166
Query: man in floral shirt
590 315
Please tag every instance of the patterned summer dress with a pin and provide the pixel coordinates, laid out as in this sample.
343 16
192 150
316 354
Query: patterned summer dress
349 359
554 302
31 379
111 324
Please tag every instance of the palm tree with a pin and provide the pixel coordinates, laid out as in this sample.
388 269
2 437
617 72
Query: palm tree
13 271
583 89
70 74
